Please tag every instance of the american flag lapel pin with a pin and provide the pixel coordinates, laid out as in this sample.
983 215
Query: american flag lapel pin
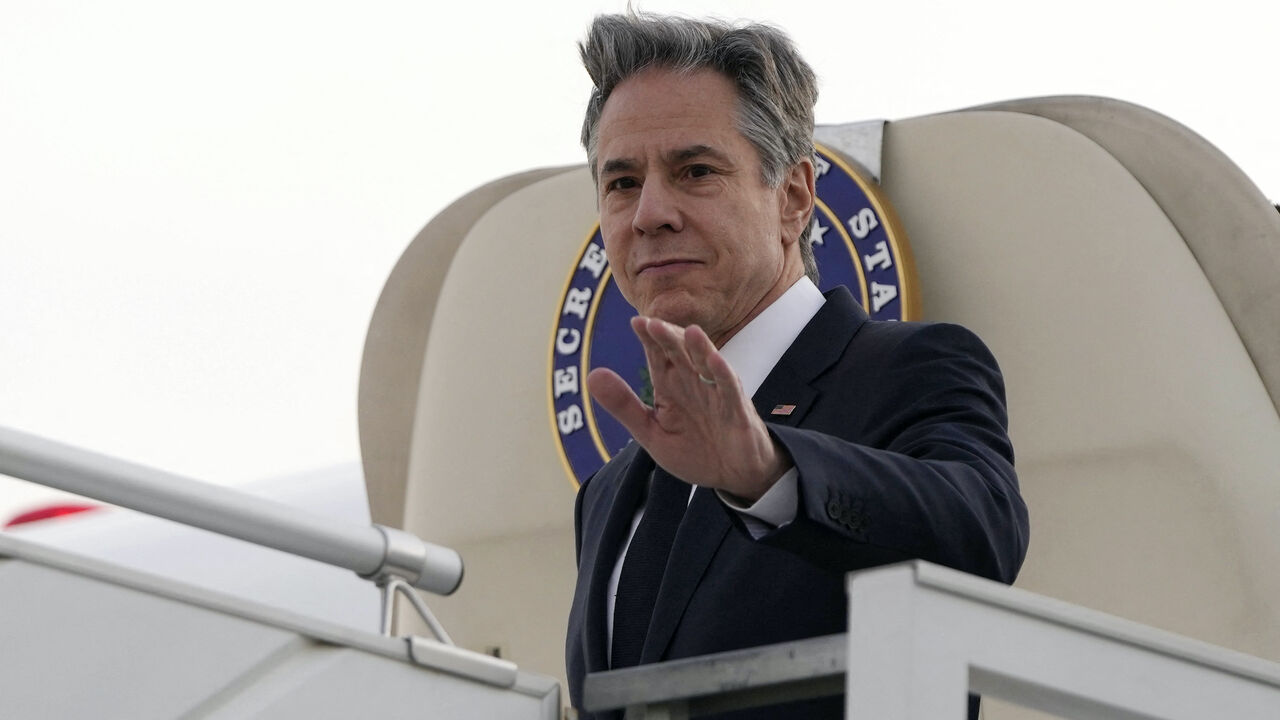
782 409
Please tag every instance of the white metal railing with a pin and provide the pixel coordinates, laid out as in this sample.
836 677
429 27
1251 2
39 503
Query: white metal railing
925 635
921 637
388 556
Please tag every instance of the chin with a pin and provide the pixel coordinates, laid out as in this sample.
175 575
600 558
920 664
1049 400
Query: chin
684 316
678 307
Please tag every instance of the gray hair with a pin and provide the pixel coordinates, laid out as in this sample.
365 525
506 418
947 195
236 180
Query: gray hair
776 87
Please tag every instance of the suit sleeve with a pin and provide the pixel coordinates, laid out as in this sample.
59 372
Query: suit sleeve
922 469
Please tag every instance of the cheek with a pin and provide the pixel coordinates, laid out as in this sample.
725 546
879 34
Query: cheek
615 213
615 252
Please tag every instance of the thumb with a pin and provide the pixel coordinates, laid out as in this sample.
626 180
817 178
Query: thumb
619 400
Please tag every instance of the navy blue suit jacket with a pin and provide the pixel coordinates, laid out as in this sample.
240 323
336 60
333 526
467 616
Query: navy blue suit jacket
899 435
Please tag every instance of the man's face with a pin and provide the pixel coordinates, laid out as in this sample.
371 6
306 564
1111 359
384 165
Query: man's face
692 232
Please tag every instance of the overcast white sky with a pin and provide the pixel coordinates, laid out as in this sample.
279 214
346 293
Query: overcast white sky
199 203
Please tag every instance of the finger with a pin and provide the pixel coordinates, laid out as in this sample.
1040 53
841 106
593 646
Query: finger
654 355
669 364
701 350
708 361
671 339
674 342
640 326
620 401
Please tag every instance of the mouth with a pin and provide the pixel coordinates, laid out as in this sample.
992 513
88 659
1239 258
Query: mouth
669 265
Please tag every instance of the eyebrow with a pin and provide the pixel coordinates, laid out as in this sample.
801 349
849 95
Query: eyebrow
695 151
674 157
616 166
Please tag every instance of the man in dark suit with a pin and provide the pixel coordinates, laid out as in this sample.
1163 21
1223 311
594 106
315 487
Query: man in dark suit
715 529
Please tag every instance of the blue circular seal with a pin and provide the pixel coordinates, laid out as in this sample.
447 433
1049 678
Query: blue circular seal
857 241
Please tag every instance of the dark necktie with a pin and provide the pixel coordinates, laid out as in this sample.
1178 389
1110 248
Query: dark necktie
644 565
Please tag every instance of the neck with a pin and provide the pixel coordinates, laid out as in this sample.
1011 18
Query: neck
787 279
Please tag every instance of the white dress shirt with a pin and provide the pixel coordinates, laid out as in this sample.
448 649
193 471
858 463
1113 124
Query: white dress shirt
752 353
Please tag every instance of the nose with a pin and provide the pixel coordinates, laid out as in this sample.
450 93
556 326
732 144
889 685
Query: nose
657 209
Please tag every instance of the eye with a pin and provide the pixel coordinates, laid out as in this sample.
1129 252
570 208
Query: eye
697 171
622 183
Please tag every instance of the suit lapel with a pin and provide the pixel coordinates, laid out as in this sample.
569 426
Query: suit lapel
819 346
784 400
622 511
703 529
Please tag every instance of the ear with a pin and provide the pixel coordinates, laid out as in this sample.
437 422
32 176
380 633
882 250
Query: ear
796 195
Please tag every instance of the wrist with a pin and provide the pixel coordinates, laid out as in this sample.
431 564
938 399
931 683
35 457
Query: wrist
775 463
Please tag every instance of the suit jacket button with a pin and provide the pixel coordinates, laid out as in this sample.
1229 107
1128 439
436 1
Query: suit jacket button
834 509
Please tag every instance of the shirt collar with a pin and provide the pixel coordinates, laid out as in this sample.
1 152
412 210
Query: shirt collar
758 346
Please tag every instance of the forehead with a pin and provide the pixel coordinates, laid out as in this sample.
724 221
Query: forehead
658 109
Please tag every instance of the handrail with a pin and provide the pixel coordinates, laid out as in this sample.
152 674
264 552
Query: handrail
922 637
374 552
724 682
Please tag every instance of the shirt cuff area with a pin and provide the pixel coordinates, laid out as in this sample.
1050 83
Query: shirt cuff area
775 508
